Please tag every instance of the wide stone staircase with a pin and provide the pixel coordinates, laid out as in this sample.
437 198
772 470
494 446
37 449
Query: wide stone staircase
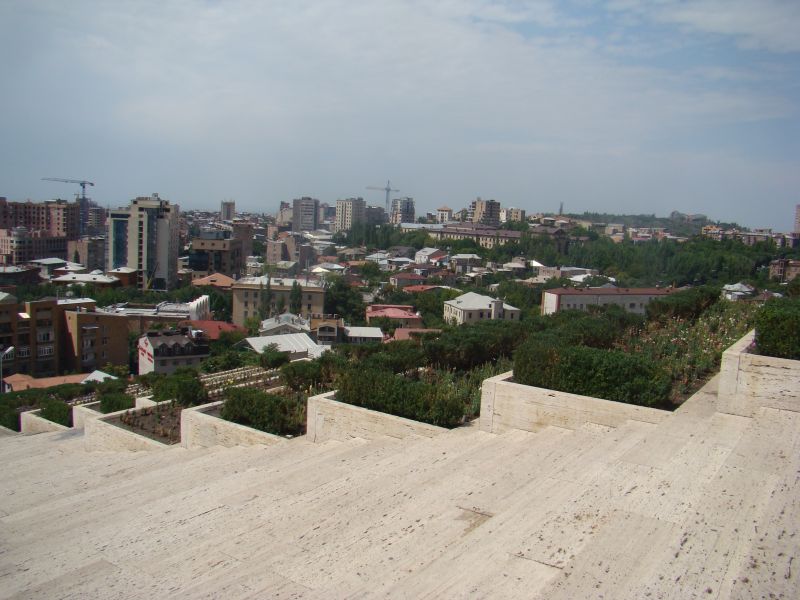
704 504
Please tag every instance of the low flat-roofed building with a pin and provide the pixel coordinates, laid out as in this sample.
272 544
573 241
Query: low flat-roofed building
296 345
96 278
283 324
363 335
633 300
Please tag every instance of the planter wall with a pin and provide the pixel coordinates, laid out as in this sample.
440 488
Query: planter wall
201 430
31 423
506 405
751 381
328 419
100 435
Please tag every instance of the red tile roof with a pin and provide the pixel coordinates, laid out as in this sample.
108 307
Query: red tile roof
213 329
216 279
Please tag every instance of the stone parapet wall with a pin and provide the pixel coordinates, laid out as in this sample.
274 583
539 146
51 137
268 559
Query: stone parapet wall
328 419
749 381
201 430
100 435
31 423
506 405
82 412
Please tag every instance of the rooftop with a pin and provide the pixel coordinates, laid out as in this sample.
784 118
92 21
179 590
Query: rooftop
611 291
473 301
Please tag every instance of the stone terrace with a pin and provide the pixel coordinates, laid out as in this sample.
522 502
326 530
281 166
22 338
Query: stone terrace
703 504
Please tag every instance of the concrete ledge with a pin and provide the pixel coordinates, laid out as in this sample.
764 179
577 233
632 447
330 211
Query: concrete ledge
749 381
100 435
327 419
506 405
82 412
201 430
31 423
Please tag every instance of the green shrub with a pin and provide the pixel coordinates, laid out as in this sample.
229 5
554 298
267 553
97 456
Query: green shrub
272 358
271 413
686 304
302 374
68 391
381 390
183 387
57 411
114 401
778 328
600 373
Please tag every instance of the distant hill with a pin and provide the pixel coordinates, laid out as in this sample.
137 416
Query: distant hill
677 223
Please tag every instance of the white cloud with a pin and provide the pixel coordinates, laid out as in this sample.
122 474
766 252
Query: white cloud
331 92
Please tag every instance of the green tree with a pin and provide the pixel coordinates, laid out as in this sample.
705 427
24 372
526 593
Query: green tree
296 298
265 299
343 300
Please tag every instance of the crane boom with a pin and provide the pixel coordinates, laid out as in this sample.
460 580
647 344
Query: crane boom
388 189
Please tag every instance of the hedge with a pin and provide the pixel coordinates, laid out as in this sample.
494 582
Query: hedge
686 304
384 391
279 415
57 411
600 373
114 401
778 328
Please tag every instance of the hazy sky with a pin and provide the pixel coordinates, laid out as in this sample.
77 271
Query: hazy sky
624 106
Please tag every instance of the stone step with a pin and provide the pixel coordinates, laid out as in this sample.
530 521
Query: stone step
130 503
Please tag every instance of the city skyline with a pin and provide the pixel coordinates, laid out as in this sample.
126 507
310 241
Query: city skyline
620 107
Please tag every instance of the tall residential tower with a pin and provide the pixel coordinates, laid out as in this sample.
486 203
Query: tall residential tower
144 236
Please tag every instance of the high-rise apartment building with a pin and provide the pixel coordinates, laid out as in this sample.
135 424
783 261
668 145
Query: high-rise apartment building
486 212
217 251
55 218
227 210
797 219
511 214
244 230
444 214
305 214
284 216
403 211
375 215
89 251
33 230
144 237
349 212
